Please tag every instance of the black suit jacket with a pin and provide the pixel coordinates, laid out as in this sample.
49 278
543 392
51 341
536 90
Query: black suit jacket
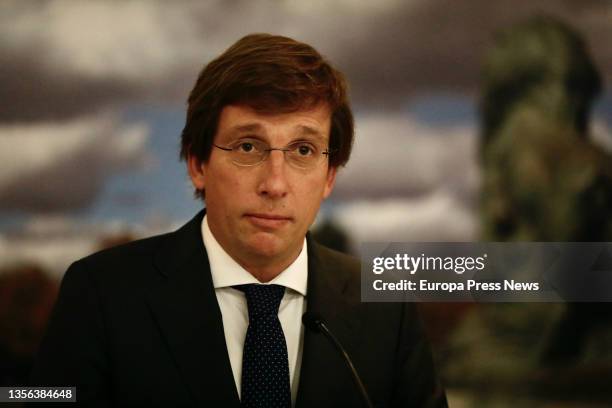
139 324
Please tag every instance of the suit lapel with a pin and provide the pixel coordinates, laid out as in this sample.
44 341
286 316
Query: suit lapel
326 296
186 310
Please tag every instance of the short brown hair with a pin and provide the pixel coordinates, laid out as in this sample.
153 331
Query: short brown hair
271 74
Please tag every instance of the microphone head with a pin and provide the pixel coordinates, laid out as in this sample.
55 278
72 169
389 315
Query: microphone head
312 321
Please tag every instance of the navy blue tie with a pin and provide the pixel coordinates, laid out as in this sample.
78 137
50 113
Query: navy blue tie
265 365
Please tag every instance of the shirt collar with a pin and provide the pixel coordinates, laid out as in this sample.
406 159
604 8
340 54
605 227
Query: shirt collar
226 272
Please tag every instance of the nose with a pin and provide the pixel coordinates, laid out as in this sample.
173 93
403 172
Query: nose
273 177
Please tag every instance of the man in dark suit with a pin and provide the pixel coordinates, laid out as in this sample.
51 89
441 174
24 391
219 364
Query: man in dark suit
210 315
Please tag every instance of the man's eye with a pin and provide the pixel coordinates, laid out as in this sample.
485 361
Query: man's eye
304 150
245 147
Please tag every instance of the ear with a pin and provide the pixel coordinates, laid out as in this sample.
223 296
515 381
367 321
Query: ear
330 181
197 172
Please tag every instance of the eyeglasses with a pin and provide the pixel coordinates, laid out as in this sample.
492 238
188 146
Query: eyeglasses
250 152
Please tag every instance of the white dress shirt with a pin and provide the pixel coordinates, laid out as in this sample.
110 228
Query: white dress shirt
226 273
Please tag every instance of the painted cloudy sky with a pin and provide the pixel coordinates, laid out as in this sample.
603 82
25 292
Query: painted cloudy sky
92 100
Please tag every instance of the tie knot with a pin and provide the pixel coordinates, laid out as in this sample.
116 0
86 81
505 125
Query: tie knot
262 300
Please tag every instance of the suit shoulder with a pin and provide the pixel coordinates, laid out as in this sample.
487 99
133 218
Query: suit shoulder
132 259
134 249
338 260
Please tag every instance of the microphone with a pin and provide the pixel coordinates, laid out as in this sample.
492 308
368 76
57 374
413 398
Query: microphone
314 321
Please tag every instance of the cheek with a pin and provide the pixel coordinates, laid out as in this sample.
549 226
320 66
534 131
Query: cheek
311 194
229 180
225 190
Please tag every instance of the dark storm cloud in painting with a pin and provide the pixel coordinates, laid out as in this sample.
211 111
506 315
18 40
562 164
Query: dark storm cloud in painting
28 92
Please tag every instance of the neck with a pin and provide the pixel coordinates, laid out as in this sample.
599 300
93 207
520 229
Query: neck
266 273
265 269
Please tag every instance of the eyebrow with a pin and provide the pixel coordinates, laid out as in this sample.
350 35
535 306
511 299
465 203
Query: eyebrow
250 127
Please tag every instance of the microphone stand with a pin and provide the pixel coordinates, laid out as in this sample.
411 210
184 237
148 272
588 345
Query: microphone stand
316 324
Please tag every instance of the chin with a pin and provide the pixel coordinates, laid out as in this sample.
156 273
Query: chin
267 245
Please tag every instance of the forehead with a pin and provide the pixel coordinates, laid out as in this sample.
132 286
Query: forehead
238 120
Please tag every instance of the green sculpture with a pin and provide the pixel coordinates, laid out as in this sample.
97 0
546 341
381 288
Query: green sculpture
543 179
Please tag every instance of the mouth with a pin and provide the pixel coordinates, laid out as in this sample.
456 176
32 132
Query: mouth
268 221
